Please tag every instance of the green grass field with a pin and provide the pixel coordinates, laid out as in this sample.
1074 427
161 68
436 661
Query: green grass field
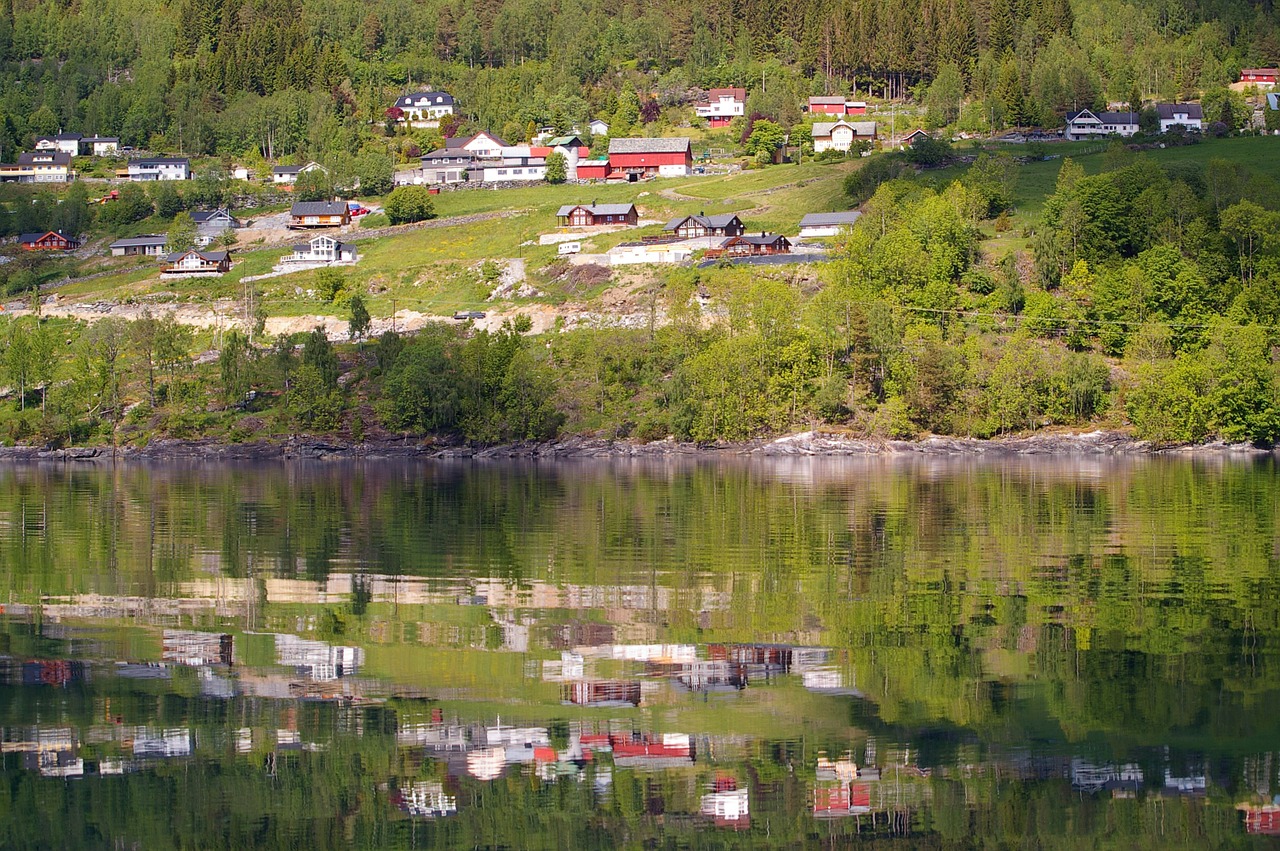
436 269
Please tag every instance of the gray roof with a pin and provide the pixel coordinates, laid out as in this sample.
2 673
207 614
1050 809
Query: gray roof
676 145
449 154
140 241
860 128
828 100
762 238
1106 117
461 141
202 216
318 208
208 256
306 246
598 209
68 137
721 220
32 237
1273 100
101 139
432 98
44 158
818 220
161 161
1193 111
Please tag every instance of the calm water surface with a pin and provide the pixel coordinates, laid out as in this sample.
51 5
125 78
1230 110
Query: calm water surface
908 654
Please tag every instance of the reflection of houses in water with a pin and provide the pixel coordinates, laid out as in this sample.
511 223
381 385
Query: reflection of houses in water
316 659
426 799
837 800
41 672
711 676
161 744
487 763
1261 821
670 750
52 751
1195 785
1087 777
187 647
571 666
580 633
728 808
603 693
436 736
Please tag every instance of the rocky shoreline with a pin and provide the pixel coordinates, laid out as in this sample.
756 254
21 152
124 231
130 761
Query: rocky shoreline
805 444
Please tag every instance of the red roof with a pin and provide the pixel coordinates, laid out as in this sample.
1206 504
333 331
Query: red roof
736 94
539 152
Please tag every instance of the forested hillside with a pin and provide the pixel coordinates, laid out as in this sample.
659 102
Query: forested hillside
305 77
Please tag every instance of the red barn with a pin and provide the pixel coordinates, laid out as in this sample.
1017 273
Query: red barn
1260 76
48 241
829 106
632 159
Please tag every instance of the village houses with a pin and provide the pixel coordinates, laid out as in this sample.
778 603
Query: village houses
319 214
425 109
160 168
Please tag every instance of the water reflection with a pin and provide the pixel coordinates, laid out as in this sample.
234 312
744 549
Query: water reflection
791 654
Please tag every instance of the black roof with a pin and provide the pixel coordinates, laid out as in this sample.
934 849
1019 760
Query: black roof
318 208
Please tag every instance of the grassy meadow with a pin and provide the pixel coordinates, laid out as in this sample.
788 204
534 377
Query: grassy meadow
438 269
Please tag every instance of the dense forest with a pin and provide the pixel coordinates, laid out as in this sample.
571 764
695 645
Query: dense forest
297 77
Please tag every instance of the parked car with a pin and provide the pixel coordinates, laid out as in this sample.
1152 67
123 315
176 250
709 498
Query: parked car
469 314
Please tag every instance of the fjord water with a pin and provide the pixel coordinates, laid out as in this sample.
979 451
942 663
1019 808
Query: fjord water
900 652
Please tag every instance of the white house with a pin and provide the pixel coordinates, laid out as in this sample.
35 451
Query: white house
287 175
147 245
1189 116
162 168
598 127
722 106
320 251
425 108
815 225
67 143
632 253
840 135
485 146
102 146
241 172
1087 124
515 166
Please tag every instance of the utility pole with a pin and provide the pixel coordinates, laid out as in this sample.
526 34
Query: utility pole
393 316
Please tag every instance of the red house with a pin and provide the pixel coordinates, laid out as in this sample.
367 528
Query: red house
830 106
593 169
1259 76
48 241
632 159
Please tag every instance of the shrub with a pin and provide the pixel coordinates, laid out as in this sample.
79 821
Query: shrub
409 204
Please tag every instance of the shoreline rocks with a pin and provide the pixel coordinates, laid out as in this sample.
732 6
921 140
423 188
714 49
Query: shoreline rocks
802 445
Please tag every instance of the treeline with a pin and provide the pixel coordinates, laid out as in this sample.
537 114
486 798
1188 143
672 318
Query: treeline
293 77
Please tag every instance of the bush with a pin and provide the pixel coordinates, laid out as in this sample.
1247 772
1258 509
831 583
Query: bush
409 204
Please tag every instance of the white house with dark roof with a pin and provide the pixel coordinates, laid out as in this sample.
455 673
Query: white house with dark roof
147 245
101 146
841 135
1189 116
67 143
318 251
287 175
160 168
1088 124
816 225
44 167
425 109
